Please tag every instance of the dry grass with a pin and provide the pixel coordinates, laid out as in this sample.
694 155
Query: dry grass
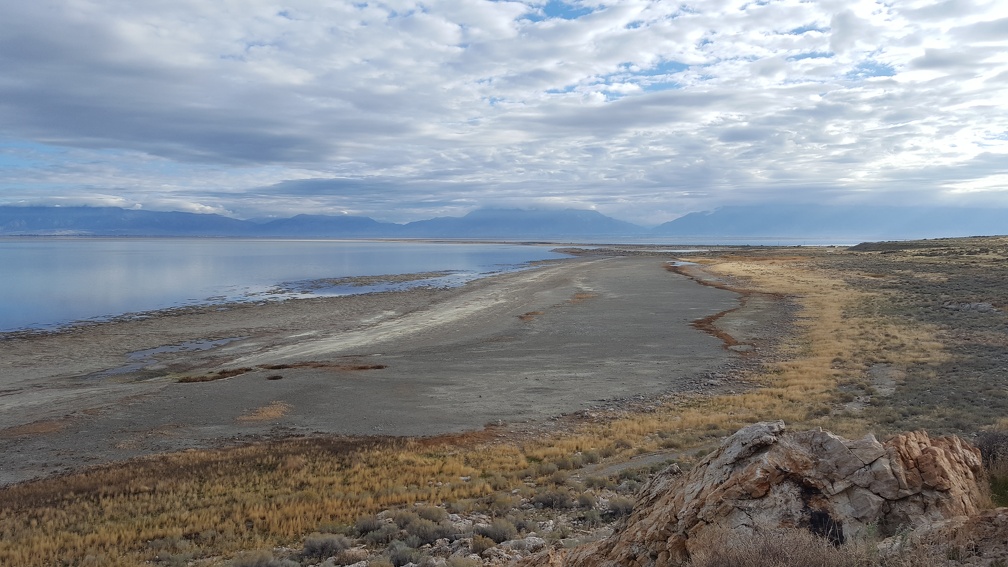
268 412
721 547
34 428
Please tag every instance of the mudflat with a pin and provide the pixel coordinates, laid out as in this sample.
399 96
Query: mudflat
518 347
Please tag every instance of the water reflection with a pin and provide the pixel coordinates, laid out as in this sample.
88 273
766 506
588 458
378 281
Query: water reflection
50 282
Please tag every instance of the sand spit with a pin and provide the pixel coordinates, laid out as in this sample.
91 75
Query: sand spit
418 362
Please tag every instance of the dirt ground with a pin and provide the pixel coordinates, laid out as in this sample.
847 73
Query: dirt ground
517 347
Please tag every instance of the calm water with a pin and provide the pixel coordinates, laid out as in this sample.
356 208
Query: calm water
46 283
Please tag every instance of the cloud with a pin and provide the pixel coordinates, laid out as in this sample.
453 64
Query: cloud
403 110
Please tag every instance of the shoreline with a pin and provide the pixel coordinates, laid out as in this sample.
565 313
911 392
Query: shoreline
410 363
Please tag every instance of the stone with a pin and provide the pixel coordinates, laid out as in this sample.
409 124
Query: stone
763 476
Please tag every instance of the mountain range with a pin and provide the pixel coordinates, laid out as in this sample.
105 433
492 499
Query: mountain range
739 222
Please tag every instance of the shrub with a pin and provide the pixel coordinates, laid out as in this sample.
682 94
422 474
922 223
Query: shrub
500 530
367 524
481 543
499 504
426 531
993 445
382 536
592 518
997 471
261 559
432 513
400 554
556 499
403 518
559 478
717 547
323 546
456 561
599 482
521 522
586 500
620 507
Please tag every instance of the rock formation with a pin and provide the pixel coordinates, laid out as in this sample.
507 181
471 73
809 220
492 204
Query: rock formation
762 476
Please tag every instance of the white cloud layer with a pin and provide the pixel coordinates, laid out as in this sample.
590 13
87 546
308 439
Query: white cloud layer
402 110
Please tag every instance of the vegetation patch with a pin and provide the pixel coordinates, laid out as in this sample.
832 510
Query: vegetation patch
269 412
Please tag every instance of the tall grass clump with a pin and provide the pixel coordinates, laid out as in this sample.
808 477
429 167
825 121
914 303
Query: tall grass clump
721 547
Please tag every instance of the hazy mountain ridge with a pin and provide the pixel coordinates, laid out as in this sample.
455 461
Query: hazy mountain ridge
760 221
868 223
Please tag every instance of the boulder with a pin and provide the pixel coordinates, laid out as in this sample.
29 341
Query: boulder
765 476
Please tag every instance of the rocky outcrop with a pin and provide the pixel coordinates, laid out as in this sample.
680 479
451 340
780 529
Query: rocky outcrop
763 476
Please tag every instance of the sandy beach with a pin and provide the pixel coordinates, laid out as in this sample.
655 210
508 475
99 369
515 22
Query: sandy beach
516 348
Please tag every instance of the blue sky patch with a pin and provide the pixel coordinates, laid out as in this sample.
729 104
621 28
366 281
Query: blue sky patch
565 10
868 68
804 29
811 55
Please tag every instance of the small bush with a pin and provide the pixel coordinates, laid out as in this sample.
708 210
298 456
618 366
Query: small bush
997 471
620 507
546 469
403 518
426 531
586 500
456 561
592 518
432 513
382 536
367 524
499 504
400 554
559 478
718 547
599 482
481 543
993 446
522 523
323 546
261 559
556 499
500 530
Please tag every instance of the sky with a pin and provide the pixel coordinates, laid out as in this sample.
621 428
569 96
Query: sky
402 110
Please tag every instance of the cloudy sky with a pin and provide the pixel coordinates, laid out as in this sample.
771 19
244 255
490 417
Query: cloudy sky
406 110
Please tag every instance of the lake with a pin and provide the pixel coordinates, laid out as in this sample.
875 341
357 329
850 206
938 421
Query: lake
46 283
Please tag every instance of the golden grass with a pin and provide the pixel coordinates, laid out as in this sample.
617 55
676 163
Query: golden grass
41 427
272 494
268 412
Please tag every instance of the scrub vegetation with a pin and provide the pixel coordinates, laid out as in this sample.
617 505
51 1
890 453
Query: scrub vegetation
892 337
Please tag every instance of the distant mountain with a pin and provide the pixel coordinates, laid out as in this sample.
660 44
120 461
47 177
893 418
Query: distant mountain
847 222
484 223
518 223
319 226
112 221
739 222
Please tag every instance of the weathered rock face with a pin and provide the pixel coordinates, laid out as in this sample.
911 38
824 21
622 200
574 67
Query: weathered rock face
762 476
